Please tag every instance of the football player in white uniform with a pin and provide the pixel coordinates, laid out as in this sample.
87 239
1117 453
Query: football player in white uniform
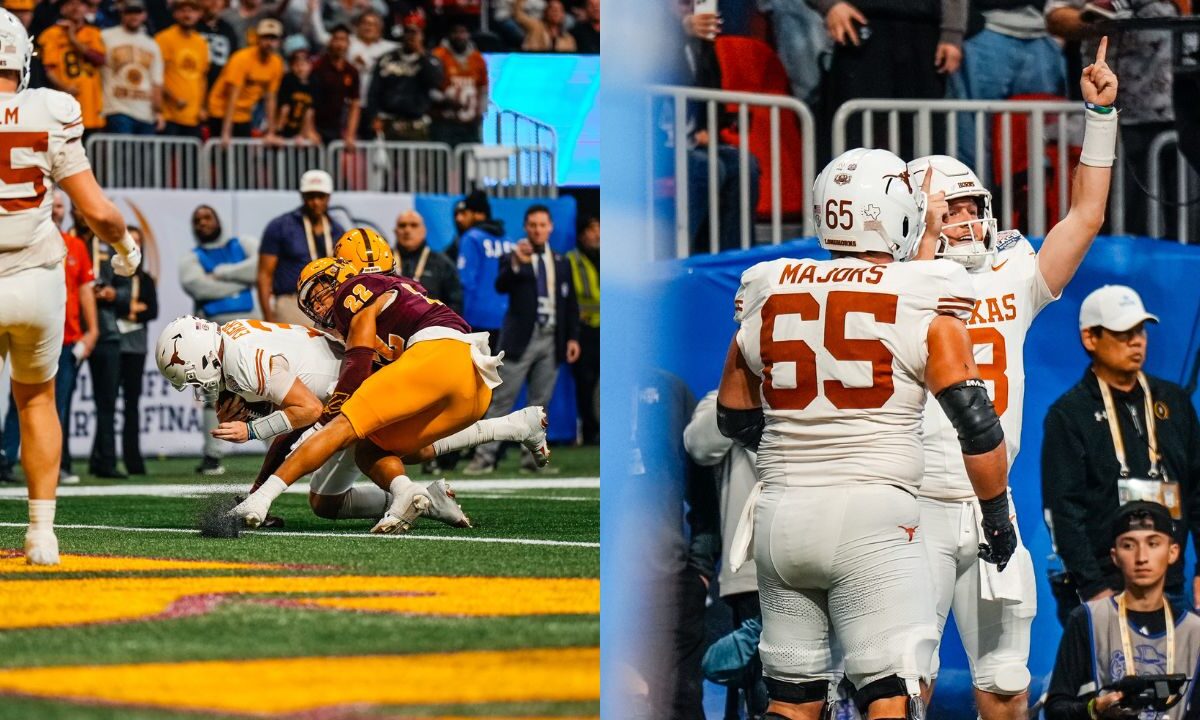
827 378
994 614
40 148
294 369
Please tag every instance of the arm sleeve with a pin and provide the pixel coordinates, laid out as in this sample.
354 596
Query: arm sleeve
954 22
356 368
704 442
507 278
199 285
1072 670
1064 492
271 240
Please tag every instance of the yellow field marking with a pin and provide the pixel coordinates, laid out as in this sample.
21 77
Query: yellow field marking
307 684
15 564
72 601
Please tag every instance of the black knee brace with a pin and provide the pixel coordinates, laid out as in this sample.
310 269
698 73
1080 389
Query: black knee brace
797 693
888 687
971 413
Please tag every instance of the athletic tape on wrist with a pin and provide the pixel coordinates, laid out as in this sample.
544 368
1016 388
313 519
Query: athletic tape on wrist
276 423
1099 139
126 246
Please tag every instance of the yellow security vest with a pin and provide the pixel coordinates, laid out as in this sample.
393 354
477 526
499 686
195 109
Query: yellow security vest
587 287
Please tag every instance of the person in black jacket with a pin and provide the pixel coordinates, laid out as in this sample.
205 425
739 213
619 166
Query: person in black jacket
136 304
402 87
1085 480
104 364
415 259
540 330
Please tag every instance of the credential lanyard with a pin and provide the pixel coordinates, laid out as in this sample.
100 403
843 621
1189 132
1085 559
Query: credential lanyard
421 264
1114 427
312 243
1127 644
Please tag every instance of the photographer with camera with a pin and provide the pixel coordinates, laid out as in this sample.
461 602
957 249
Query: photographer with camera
1118 435
1130 655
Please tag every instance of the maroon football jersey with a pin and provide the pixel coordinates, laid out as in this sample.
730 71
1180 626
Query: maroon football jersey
410 311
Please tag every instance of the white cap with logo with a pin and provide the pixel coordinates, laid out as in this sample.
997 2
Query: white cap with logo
1113 307
317 181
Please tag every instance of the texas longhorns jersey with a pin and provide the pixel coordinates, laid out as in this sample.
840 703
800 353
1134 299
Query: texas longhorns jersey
312 356
1011 292
841 348
36 127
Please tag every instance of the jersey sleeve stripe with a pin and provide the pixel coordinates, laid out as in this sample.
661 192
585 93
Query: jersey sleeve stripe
73 124
258 369
956 299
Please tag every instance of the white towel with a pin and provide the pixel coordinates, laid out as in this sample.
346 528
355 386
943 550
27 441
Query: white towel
1011 585
743 537
486 364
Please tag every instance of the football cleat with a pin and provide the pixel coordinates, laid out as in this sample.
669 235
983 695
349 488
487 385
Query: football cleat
253 510
41 548
444 508
402 514
535 441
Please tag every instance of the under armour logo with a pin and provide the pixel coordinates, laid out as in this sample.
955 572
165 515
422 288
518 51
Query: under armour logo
910 530
175 359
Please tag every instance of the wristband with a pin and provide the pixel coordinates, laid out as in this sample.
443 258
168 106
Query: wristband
126 246
1101 109
1099 138
1091 709
250 432
995 510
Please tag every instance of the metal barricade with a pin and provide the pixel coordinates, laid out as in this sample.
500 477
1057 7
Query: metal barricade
146 161
250 164
1186 183
934 127
389 166
678 129
528 146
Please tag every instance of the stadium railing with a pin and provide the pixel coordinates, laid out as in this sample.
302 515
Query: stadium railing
676 125
133 161
384 166
249 164
517 157
1185 180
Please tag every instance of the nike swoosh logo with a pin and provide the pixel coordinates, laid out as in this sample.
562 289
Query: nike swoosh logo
1000 265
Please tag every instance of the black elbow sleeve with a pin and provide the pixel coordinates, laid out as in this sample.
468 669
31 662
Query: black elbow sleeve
974 418
745 427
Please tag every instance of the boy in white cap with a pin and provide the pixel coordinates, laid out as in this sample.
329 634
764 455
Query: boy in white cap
1118 435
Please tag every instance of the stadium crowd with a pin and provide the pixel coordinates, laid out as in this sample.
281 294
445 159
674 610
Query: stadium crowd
290 71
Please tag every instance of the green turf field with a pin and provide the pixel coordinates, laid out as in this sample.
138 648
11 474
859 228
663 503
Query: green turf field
147 620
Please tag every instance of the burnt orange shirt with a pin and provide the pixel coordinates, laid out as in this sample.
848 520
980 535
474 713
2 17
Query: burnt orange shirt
76 72
465 86
256 77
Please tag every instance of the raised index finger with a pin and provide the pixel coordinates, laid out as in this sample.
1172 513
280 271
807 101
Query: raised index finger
1102 50
928 181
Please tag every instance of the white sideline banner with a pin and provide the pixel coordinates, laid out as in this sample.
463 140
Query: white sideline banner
172 421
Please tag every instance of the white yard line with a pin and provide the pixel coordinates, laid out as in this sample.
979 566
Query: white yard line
340 536
18 492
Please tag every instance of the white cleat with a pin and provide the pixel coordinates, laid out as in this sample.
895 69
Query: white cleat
535 441
444 508
406 507
252 511
41 548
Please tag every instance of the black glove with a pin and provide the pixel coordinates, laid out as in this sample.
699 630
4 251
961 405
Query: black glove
998 532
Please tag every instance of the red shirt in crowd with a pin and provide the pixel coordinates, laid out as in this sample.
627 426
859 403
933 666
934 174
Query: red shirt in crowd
336 87
78 267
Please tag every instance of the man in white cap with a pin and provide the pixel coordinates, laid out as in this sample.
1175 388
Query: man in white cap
292 241
1118 435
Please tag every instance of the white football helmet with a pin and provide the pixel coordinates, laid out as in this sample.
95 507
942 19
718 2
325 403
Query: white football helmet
958 181
865 200
188 352
16 51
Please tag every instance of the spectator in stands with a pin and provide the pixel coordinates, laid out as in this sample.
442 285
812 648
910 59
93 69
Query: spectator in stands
547 33
415 259
223 41
801 43
884 49
218 276
72 52
336 82
246 16
1007 52
136 304
479 251
132 75
1096 650
541 327
1099 448
185 58
104 363
1143 60
296 95
22 9
323 16
292 241
463 97
252 75
77 346
587 30
506 25
735 477
704 71
585 274
366 47
402 87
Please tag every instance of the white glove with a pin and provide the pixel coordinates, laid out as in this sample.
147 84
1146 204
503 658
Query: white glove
305 435
129 256
79 350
